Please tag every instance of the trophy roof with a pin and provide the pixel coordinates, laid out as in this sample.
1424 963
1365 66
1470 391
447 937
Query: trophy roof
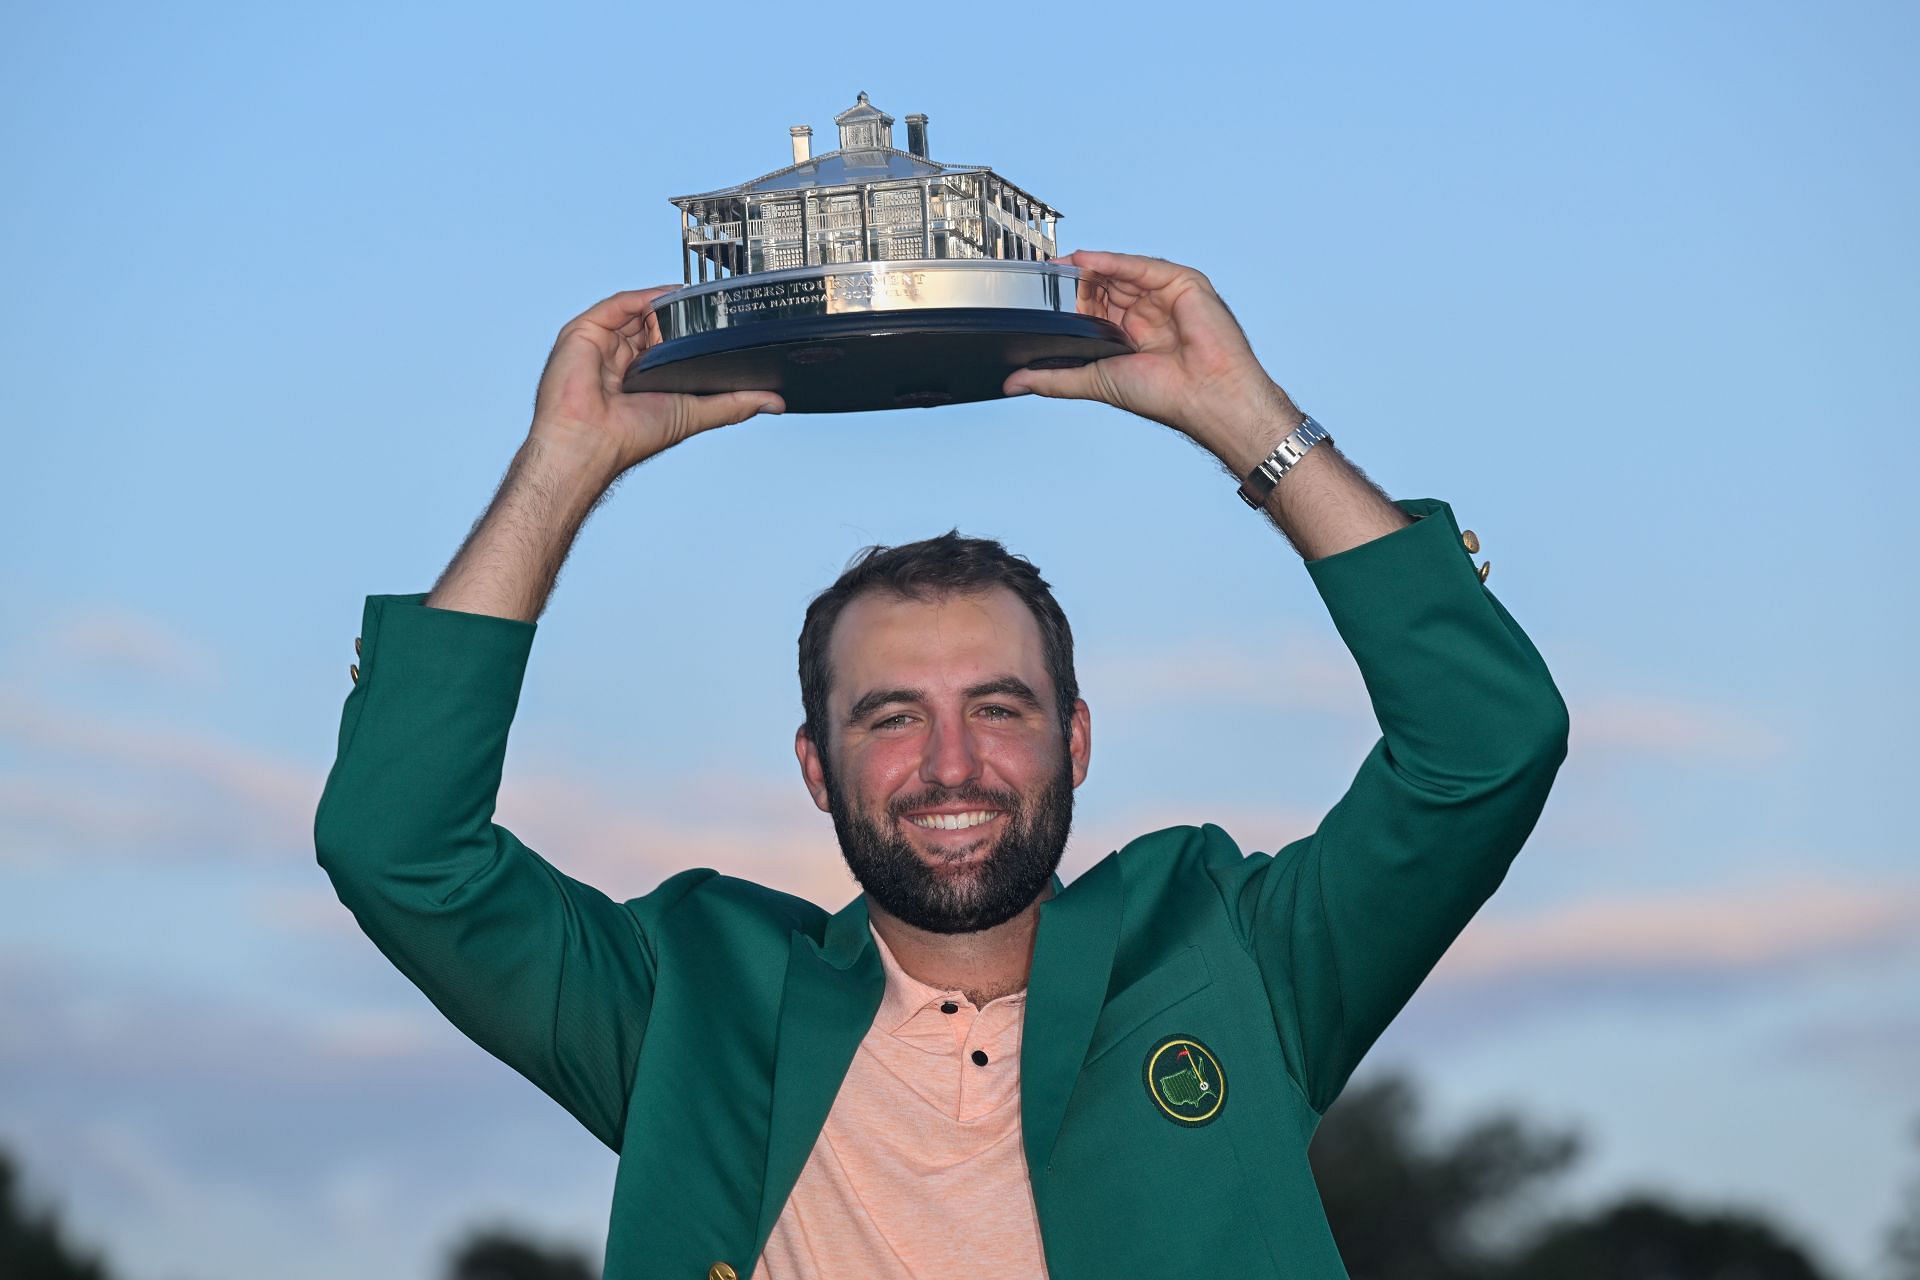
843 168
862 110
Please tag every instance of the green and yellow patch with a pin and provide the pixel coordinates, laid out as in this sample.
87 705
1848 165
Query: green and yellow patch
1185 1080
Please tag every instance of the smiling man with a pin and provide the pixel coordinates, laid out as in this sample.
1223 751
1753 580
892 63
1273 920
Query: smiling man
948 747
971 1070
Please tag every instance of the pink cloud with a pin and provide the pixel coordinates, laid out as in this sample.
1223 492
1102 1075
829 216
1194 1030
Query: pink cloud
146 788
1672 728
1705 932
1306 671
1291 671
111 638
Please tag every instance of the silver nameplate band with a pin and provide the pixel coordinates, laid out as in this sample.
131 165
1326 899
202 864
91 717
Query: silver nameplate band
877 288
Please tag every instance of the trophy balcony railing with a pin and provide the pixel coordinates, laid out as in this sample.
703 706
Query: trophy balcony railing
977 228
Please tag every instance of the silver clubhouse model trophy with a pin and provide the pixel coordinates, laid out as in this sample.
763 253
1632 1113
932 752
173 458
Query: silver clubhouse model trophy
871 278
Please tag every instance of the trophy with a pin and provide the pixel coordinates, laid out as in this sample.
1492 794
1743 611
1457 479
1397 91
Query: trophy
871 278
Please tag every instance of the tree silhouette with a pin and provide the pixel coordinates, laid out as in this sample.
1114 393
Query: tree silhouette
31 1247
495 1253
1403 1207
1642 1238
1406 1207
1903 1238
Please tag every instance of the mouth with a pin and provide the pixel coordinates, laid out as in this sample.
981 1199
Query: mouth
967 820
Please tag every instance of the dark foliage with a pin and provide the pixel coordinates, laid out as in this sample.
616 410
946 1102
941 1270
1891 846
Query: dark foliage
1406 1207
30 1246
1402 1207
496 1254
1903 1237
1646 1240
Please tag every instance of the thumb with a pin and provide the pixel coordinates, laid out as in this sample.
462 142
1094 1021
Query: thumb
1083 383
704 413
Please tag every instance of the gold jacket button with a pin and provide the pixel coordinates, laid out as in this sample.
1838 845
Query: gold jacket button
356 646
353 670
722 1271
1486 569
1472 543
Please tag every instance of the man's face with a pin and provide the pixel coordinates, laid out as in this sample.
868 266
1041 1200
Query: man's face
949 783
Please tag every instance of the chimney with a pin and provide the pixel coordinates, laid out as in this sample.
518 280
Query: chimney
802 142
917 135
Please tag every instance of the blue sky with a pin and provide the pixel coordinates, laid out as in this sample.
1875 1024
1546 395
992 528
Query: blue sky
1630 286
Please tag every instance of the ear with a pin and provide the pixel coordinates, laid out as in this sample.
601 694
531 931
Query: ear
812 772
1080 740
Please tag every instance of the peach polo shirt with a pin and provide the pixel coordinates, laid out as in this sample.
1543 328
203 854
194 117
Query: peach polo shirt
919 1172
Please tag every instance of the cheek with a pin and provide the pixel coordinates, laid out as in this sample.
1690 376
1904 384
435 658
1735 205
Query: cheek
881 767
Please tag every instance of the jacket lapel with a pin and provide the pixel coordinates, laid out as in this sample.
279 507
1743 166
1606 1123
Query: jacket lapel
1072 959
833 990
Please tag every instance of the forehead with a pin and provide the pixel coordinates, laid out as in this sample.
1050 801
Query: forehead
938 644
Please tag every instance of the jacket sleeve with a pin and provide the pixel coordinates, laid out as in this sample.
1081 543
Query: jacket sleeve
546 973
1346 923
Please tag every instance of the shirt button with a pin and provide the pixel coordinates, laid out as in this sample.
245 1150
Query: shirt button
980 1057
949 1007
722 1271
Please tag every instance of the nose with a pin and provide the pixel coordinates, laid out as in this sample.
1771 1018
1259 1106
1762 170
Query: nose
951 758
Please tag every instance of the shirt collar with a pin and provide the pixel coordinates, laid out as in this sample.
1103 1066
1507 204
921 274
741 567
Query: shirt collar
906 995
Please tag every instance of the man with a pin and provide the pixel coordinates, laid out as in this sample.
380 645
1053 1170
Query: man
973 1069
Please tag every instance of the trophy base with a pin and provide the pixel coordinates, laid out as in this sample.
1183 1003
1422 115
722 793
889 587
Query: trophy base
892 334
903 360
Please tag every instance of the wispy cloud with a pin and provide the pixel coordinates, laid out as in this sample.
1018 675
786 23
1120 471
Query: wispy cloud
1880 1050
1306 671
105 786
1672 728
113 640
348 1141
1724 932
1290 671
127 1030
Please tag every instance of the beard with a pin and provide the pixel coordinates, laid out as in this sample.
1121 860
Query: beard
1003 884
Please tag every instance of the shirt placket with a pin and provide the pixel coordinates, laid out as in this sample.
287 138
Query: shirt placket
979 1036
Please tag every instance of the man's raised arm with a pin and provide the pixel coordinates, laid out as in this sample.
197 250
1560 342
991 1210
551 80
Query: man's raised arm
543 971
1345 923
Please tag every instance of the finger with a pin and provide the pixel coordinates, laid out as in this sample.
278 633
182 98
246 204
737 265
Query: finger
1140 273
623 307
639 335
703 413
1084 383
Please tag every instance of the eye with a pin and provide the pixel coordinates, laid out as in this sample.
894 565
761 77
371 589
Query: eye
998 712
897 718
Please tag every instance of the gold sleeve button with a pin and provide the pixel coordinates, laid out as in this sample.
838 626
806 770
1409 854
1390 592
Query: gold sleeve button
722 1271
1486 569
353 669
356 646
1471 543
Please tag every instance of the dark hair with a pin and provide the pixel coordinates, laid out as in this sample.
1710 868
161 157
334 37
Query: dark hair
928 570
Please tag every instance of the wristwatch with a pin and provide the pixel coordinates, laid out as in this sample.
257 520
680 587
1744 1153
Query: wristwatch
1258 485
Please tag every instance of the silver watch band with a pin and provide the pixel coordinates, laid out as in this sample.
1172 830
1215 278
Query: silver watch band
1258 485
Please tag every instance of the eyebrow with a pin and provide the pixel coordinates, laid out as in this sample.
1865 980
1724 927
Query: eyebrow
1005 686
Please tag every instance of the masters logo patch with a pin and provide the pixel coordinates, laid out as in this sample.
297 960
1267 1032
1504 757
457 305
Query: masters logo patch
1185 1081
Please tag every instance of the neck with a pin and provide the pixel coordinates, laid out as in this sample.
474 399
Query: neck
985 964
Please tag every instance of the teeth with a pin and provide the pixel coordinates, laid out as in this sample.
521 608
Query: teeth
953 821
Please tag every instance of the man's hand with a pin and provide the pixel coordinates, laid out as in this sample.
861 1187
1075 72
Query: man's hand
1192 370
580 407
586 433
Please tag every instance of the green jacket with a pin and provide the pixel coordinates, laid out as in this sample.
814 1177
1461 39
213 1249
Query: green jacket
702 1031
